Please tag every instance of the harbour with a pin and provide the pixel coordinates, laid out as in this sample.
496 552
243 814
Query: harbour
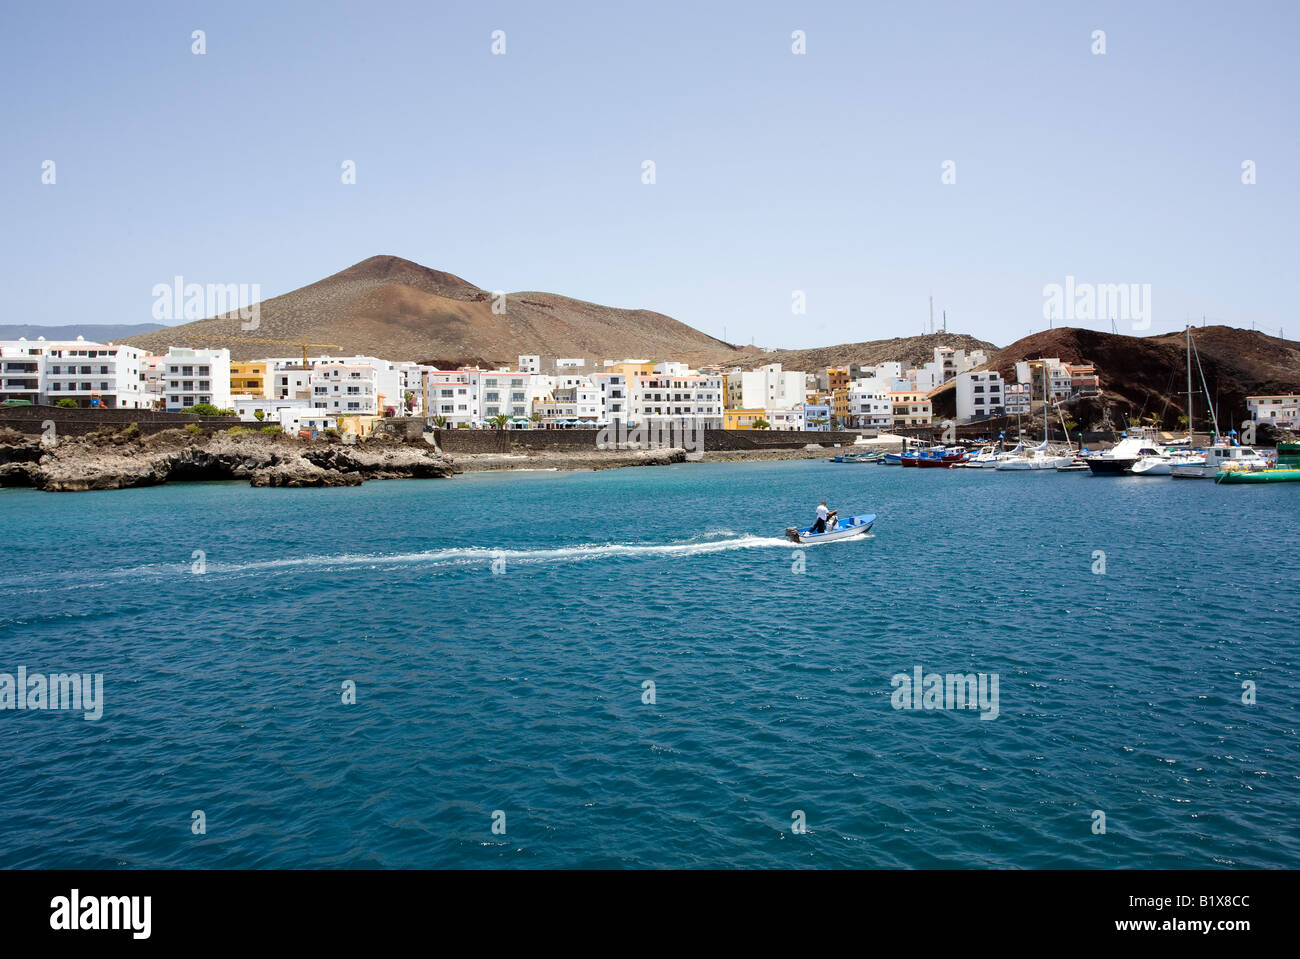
502 667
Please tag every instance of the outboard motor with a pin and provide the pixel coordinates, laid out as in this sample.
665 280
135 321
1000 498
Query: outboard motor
792 533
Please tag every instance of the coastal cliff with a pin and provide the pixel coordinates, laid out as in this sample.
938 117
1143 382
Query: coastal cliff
123 459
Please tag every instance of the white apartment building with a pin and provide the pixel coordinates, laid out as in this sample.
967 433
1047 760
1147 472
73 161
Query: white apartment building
1016 399
979 394
196 376
530 364
92 374
454 394
583 398
614 399
677 395
870 406
346 388
767 388
572 363
511 393
1281 410
290 384
1030 373
22 370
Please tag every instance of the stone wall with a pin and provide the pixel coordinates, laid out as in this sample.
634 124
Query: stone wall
32 419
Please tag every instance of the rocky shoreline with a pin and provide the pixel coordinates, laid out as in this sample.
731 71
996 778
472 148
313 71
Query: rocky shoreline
123 459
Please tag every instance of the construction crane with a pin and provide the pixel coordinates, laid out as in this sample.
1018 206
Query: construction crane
301 344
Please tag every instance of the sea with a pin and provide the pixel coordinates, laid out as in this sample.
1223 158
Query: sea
633 668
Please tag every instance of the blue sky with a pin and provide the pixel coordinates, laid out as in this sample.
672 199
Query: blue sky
774 172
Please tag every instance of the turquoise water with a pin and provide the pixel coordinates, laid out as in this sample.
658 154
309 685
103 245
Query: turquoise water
522 691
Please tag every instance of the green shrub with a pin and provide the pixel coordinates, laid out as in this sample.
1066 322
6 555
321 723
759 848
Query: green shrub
193 429
272 430
207 409
67 403
238 431
259 415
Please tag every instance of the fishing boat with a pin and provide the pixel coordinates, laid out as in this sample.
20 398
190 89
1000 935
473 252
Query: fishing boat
853 526
940 457
892 459
1274 474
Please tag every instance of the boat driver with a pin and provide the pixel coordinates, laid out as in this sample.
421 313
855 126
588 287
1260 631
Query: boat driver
823 514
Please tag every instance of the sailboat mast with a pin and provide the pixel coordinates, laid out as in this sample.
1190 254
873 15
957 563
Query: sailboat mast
1189 386
1045 399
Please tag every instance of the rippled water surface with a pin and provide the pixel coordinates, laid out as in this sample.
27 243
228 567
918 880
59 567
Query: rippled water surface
522 691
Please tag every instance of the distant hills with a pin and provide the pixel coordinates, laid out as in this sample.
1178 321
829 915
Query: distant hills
909 350
387 306
390 307
97 332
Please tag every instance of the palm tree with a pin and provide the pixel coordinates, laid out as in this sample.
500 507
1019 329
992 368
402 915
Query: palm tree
761 424
535 417
440 421
499 421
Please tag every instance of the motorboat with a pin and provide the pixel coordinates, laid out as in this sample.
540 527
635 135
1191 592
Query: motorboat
1220 458
1041 457
1162 464
1135 444
835 529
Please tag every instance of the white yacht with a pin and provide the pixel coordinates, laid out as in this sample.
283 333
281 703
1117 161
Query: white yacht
1135 444
1218 458
1162 464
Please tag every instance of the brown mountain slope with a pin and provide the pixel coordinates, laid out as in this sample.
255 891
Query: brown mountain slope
909 350
1146 375
390 307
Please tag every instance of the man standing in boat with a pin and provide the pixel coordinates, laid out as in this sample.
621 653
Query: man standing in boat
823 514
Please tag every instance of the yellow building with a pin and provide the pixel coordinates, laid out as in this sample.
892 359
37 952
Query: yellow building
840 403
247 379
741 419
359 425
630 368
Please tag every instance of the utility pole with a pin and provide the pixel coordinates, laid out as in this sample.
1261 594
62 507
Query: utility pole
932 315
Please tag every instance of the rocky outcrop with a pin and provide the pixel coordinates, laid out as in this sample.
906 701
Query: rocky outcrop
122 461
